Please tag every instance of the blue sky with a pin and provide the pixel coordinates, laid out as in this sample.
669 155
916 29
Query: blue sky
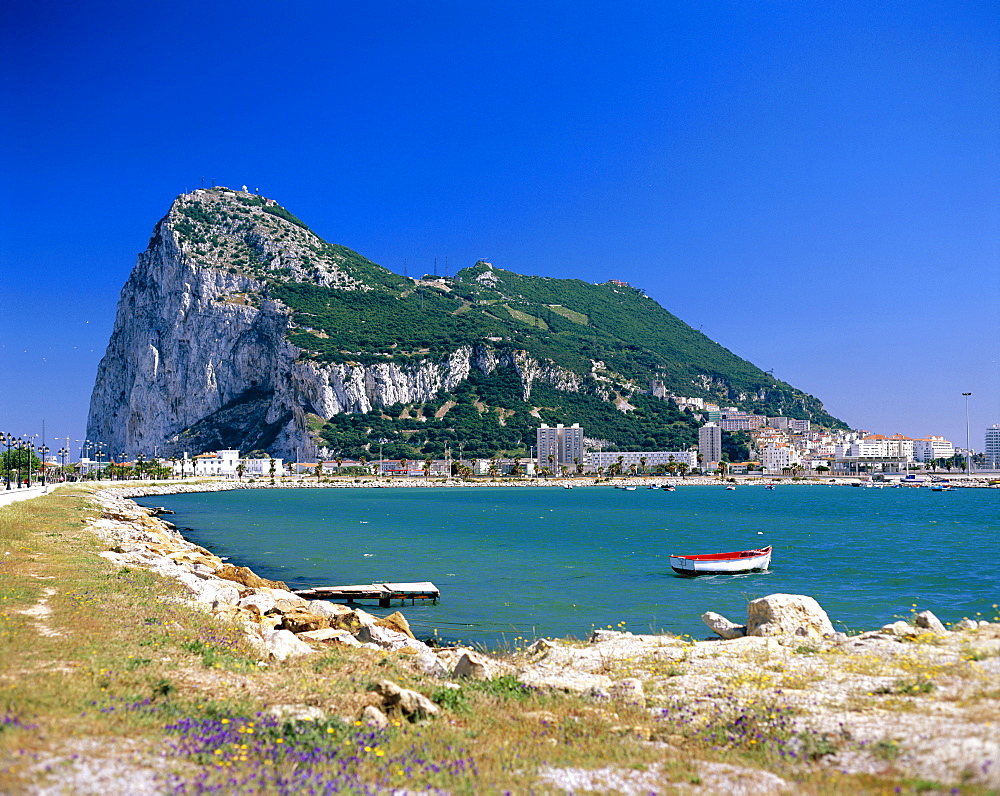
814 185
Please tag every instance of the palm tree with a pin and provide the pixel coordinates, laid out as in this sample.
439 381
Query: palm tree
682 467
579 465
427 467
319 471
271 468
516 469
240 470
403 463
340 461
642 463
173 464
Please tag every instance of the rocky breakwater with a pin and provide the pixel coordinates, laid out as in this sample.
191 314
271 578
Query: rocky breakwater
279 623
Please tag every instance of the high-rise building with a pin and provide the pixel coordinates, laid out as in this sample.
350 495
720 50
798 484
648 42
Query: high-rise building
710 444
563 444
992 447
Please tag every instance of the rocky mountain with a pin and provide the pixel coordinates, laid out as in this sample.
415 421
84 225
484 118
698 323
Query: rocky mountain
240 327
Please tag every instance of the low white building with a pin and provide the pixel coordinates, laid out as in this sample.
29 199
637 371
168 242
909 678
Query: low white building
261 468
220 463
653 459
223 464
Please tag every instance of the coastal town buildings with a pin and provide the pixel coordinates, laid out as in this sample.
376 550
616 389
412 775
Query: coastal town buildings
992 447
740 421
559 445
710 444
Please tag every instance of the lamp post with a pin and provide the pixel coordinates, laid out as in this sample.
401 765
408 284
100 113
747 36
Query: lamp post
6 439
20 450
62 455
42 452
968 449
29 447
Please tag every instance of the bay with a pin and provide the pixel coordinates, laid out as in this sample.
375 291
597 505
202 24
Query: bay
518 563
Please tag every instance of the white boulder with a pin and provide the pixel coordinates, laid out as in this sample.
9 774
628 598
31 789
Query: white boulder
718 624
787 614
282 644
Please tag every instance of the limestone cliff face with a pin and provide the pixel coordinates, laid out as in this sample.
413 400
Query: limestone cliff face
199 360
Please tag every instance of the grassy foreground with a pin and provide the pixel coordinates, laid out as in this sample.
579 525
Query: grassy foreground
111 683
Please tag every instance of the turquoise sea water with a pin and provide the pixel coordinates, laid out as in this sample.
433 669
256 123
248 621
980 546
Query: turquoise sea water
534 562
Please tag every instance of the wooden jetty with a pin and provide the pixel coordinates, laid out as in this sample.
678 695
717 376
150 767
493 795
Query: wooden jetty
385 593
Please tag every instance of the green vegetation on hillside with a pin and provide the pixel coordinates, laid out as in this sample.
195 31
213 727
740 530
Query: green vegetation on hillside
488 417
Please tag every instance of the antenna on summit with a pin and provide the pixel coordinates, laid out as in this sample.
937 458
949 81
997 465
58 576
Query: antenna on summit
435 266
405 272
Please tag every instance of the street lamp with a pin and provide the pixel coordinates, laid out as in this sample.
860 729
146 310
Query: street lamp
29 447
42 451
968 449
6 439
62 454
20 449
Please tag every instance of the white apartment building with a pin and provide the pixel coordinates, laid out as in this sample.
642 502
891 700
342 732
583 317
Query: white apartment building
563 444
653 458
775 458
710 444
992 447
877 446
930 448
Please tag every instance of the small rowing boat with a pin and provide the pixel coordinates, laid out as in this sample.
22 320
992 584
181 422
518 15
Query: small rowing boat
722 563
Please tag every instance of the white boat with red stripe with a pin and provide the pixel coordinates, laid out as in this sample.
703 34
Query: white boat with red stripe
722 563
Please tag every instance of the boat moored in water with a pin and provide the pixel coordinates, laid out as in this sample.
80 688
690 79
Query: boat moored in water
722 563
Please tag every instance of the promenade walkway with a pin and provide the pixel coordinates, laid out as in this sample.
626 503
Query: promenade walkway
8 496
